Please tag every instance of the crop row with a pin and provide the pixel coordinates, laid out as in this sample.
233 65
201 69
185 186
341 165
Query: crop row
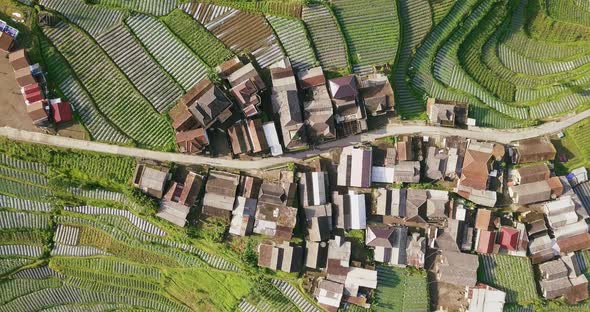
370 28
111 91
152 7
24 204
94 20
135 220
15 220
14 288
28 177
293 36
40 272
294 295
21 250
21 164
326 36
209 49
147 76
240 31
11 264
170 53
513 275
22 190
108 266
77 251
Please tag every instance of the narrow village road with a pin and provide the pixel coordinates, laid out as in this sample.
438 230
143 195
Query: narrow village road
405 128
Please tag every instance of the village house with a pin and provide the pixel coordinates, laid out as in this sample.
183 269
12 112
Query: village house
447 113
532 150
339 251
483 298
524 194
286 105
416 250
530 174
151 181
179 199
578 176
562 277
317 105
389 243
272 138
247 136
8 36
404 149
354 168
282 257
316 255
377 95
192 141
274 217
207 103
220 194
514 241
313 188
242 222
349 211
477 165
349 114
246 84
329 294
452 266
319 222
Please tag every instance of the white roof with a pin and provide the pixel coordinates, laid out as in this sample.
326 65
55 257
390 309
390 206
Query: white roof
486 300
359 277
272 138
319 188
358 211
382 174
564 204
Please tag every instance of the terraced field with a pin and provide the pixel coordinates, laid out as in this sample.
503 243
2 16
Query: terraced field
240 31
326 37
94 20
152 7
371 30
113 94
513 275
293 36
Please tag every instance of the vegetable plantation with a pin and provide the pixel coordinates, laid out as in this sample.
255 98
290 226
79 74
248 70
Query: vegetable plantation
513 275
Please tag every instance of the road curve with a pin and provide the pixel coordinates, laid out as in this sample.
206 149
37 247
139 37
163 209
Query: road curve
404 128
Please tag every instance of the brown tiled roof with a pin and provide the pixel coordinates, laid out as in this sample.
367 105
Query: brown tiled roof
535 149
483 219
6 41
343 87
192 141
574 243
486 242
182 119
257 137
238 136
23 77
556 186
475 169
229 66
311 78
534 173
265 255
18 59
36 111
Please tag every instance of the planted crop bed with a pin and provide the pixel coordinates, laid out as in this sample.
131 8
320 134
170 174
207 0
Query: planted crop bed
209 49
111 91
147 76
184 66
17 220
371 30
21 250
152 7
293 36
94 20
326 37
24 165
400 290
240 31
135 220
22 190
513 275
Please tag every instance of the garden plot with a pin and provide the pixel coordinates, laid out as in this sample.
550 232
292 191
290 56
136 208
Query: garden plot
21 250
67 235
11 264
29 177
325 36
14 288
23 204
16 220
37 273
415 16
294 295
370 29
112 92
93 120
209 49
135 220
24 165
293 36
152 7
240 31
77 251
173 56
22 190
513 275
400 290
94 20
110 266
520 64
144 73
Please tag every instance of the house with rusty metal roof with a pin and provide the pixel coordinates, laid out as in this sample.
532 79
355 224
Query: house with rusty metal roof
207 103
273 216
282 257
377 95
192 141
220 194
151 180
452 266
447 113
473 183
317 105
533 150
179 199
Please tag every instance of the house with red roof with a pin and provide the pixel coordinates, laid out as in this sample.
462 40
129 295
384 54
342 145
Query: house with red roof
62 111
509 238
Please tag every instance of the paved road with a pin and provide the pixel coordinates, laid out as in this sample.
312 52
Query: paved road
405 128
